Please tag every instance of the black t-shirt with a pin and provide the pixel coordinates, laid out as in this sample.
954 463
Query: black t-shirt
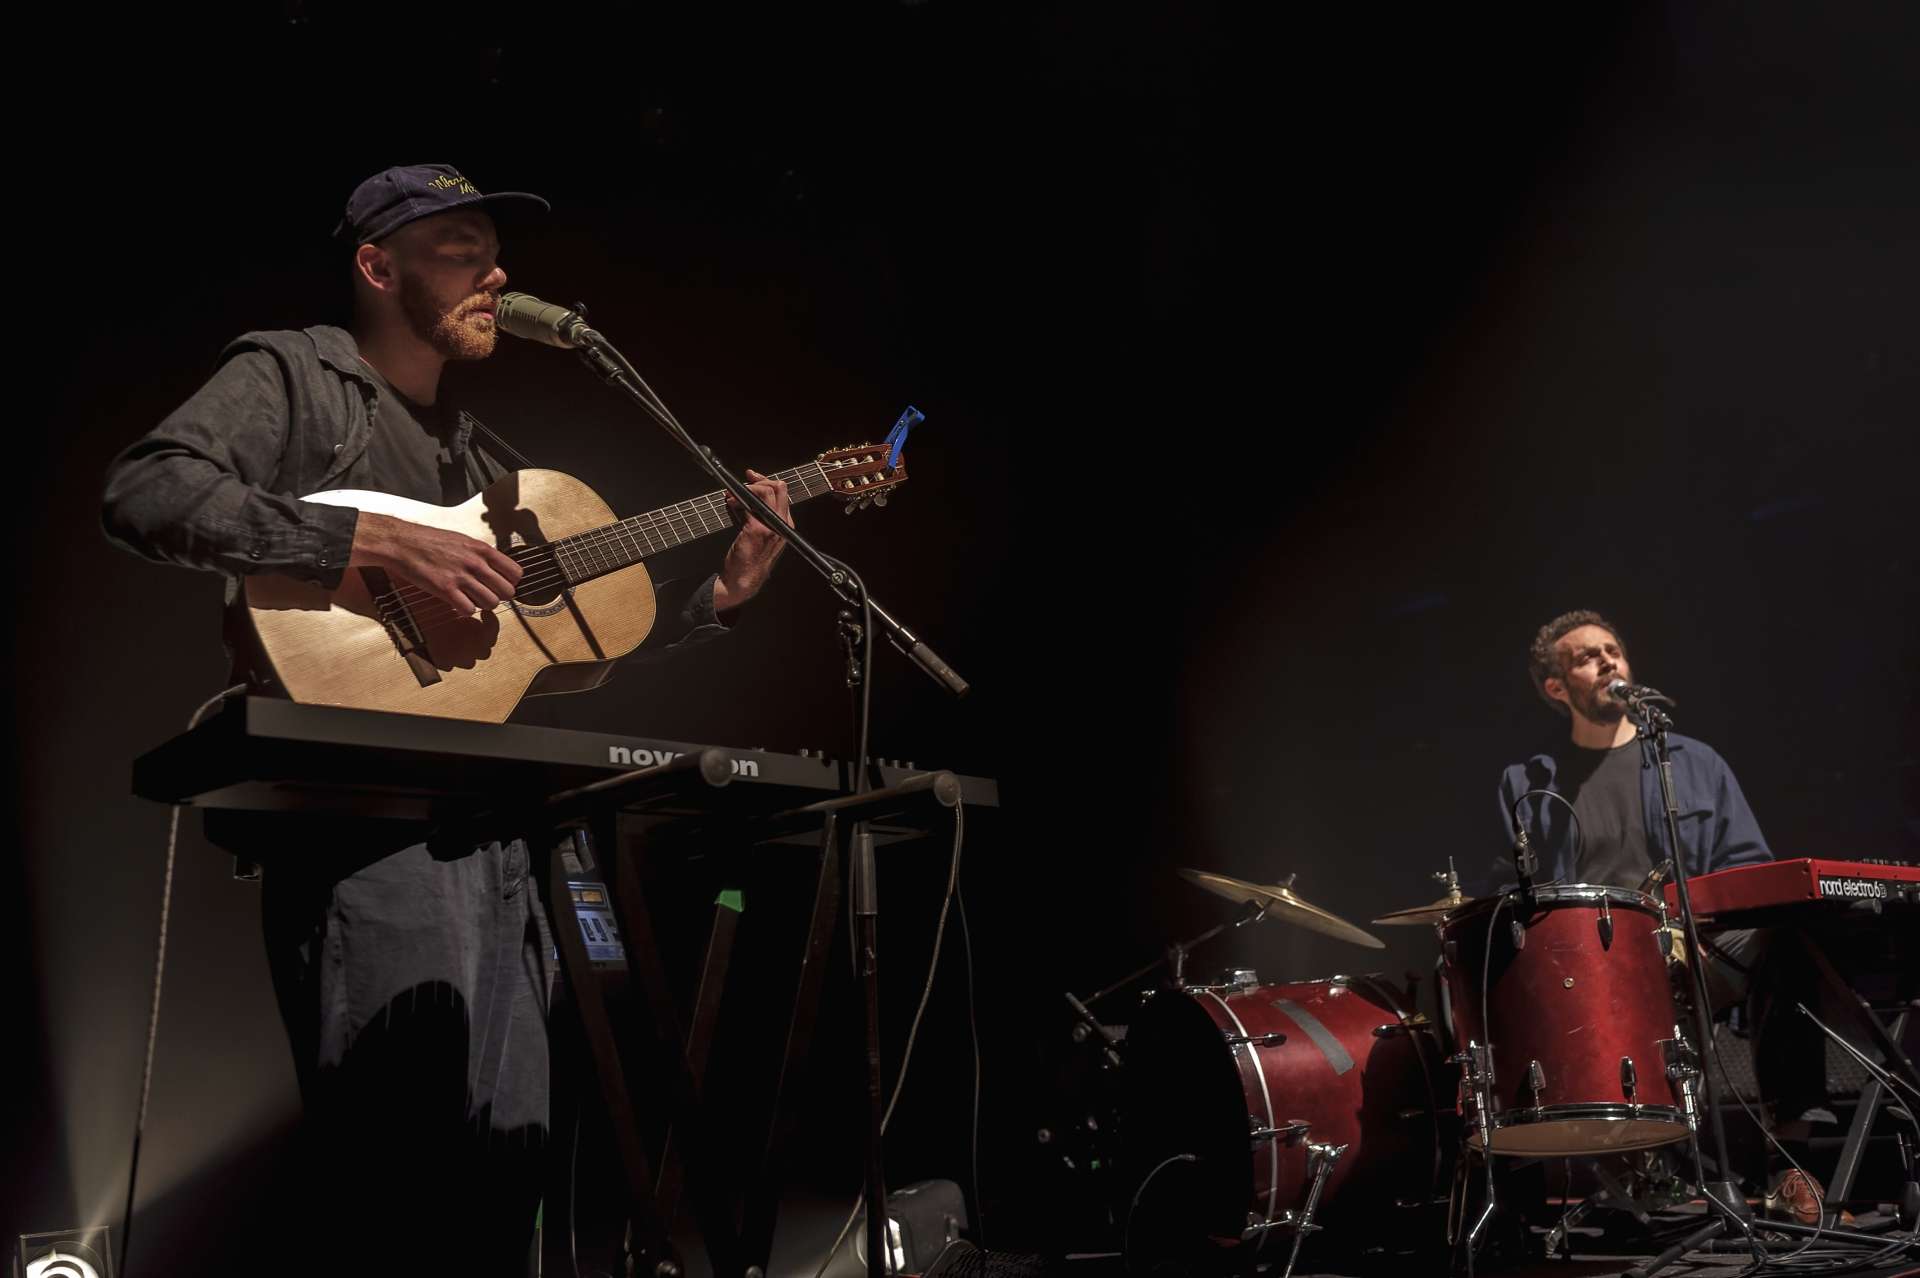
419 450
1604 786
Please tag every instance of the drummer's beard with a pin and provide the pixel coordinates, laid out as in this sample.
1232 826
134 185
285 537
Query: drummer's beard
1595 706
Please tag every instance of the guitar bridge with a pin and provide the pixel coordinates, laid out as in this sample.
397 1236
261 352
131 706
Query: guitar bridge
401 627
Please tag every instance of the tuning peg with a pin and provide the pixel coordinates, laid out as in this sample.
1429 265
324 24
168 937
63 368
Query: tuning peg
880 499
849 508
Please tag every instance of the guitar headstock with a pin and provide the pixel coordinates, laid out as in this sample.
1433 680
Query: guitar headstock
859 474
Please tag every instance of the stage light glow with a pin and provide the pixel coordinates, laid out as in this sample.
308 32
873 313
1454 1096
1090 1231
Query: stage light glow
58 1264
67 1253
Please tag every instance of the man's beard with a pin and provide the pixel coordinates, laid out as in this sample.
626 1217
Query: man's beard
1600 708
449 332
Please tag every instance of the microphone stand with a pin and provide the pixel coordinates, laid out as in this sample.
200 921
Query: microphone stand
604 359
1727 1209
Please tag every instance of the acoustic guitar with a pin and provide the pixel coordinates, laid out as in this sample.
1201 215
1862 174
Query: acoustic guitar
585 599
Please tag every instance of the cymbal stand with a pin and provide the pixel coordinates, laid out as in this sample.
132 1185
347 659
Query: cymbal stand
1175 956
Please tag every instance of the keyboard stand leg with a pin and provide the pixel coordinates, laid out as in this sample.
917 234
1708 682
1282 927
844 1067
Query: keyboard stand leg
652 1249
763 1192
706 1014
1871 1098
706 1186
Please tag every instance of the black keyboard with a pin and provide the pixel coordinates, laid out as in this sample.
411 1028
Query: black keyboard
263 754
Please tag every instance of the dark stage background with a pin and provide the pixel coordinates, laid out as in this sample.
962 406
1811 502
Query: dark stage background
1281 376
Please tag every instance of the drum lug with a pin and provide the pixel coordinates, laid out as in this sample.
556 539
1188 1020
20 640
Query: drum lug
1606 924
1536 1081
1406 1025
1288 1133
1629 1080
1255 1040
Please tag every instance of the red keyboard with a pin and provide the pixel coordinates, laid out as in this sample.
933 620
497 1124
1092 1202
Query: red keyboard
1801 880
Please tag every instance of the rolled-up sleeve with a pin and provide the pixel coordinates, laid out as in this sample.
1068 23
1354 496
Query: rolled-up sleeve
193 490
689 602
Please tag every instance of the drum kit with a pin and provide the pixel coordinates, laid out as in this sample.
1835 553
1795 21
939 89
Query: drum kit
1255 1115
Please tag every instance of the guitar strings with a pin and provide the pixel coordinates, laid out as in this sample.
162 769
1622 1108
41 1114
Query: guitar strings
589 546
428 611
657 408
622 538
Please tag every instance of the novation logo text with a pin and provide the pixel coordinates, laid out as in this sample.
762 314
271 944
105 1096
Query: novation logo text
643 757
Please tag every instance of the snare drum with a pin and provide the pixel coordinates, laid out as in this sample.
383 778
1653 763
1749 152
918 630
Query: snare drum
1579 1022
1256 1083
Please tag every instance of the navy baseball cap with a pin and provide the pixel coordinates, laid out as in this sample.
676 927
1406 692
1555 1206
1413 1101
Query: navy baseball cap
406 193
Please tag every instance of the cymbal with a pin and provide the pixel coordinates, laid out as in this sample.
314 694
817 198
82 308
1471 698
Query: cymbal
1431 913
1283 904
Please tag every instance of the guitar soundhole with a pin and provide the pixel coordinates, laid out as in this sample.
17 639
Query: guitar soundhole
541 580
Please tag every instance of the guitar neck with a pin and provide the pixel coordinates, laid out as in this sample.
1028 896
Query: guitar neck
587 555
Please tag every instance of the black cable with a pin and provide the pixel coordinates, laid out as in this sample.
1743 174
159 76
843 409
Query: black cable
1126 1234
1579 833
1886 1077
153 1013
913 1031
573 1194
973 1029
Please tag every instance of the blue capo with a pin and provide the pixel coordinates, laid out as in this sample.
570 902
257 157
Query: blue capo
897 437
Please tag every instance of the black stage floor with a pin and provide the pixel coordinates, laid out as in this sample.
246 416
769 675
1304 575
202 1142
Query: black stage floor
808 1226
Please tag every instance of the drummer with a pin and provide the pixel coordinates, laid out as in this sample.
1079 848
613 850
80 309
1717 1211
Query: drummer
1611 788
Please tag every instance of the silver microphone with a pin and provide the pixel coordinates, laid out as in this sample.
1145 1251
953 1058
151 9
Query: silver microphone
1632 694
523 315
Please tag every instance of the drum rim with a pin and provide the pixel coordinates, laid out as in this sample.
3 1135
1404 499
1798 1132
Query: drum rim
1587 1111
1242 1056
1566 894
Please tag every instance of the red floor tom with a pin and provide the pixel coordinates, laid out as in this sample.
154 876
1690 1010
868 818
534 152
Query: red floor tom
1580 1020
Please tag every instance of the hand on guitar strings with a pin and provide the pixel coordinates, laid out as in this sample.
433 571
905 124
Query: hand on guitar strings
467 574
750 558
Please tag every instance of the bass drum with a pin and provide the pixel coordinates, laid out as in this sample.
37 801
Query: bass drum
1237 1095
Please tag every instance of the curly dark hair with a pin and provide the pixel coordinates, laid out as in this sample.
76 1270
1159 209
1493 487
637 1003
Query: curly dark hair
1543 655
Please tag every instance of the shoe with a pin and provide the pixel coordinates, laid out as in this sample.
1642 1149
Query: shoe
1796 1196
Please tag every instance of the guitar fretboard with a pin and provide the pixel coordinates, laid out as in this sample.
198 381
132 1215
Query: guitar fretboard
587 555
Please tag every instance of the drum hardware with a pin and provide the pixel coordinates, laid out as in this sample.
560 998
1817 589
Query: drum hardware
1255 1040
1414 1022
1683 1069
1629 1080
1536 1081
1606 924
1239 978
1288 1133
1174 959
1323 1157
1433 911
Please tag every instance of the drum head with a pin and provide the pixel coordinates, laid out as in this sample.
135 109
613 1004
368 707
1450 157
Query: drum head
1186 1151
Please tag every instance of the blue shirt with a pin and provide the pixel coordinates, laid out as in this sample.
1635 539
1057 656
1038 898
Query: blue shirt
1717 827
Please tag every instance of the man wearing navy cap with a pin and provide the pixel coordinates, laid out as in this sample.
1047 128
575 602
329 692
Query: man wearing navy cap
415 987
